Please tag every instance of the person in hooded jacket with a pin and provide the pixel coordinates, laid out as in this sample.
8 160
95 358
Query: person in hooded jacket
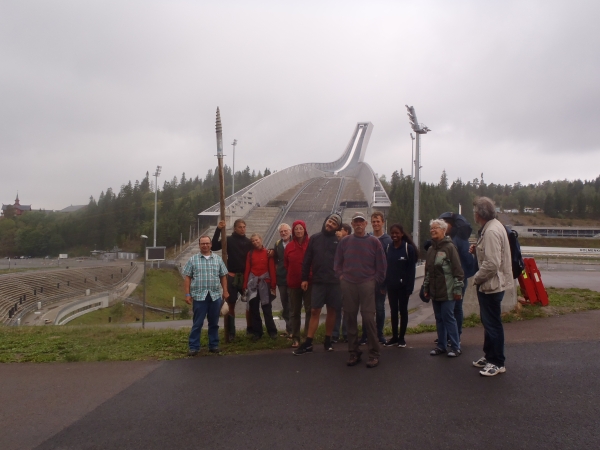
443 284
318 259
459 230
399 282
292 259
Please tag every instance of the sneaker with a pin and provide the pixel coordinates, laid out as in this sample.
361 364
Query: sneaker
481 362
363 341
303 349
328 347
437 351
334 340
215 350
491 370
192 352
273 336
454 353
391 342
401 343
345 339
382 340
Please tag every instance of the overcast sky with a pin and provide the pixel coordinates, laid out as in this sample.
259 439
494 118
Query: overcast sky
96 93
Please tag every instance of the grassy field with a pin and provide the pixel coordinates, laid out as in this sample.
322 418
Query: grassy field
163 285
114 343
543 219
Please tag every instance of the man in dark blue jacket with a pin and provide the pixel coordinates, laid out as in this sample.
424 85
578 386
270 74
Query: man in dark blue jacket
459 229
318 259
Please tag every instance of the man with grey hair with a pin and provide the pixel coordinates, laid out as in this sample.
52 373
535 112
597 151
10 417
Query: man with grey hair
285 232
492 279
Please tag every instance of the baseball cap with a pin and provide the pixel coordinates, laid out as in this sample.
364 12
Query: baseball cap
359 215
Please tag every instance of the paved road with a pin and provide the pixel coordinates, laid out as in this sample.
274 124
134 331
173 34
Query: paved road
549 398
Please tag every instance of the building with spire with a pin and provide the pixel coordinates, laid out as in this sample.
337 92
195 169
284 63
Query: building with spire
17 207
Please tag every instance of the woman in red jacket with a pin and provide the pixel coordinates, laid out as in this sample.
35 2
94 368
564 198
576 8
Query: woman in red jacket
260 284
292 258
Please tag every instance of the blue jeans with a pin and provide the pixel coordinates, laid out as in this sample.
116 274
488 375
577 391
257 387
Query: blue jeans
458 308
208 308
379 315
491 318
446 324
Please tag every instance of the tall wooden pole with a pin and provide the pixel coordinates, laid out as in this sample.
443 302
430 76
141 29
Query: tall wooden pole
219 130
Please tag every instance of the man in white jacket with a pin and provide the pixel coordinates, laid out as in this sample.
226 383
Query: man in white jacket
492 279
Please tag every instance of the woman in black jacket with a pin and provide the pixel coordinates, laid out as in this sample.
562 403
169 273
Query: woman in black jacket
402 257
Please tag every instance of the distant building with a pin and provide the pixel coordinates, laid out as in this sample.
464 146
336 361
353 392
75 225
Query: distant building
17 207
562 232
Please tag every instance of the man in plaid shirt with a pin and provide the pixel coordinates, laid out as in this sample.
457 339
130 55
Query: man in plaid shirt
203 273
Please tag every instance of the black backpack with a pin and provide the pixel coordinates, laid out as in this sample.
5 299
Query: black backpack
516 259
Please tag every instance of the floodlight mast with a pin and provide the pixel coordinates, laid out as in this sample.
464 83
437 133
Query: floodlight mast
234 143
156 175
419 129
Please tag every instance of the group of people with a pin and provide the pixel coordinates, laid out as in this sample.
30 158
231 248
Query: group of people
346 270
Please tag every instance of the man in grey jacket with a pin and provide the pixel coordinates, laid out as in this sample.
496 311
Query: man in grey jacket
492 279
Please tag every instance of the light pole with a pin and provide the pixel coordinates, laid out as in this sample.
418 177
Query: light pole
145 238
156 175
419 129
412 155
234 143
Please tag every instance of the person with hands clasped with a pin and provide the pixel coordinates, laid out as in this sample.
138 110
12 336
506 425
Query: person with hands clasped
402 257
205 274
443 284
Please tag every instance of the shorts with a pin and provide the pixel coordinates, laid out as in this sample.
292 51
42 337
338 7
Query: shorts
326 294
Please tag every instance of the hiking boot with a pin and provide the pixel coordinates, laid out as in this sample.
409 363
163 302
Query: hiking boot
192 352
373 362
491 370
303 349
481 362
215 350
354 359
391 342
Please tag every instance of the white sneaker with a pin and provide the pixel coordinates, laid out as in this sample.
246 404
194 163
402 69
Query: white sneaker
491 370
481 362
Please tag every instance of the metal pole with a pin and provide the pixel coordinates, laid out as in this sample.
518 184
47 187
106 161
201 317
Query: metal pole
233 168
417 182
219 131
144 299
412 155
156 174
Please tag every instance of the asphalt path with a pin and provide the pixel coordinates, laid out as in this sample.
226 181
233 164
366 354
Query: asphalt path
548 398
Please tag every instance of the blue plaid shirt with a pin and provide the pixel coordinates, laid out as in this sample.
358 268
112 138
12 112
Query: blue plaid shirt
206 273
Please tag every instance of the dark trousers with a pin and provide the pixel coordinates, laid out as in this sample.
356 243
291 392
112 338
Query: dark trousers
360 296
234 292
285 305
398 298
257 328
491 318
379 315
297 298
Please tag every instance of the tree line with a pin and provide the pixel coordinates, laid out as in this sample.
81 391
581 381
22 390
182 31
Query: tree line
118 219
562 199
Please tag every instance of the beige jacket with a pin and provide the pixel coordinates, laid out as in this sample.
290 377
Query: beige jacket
493 257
